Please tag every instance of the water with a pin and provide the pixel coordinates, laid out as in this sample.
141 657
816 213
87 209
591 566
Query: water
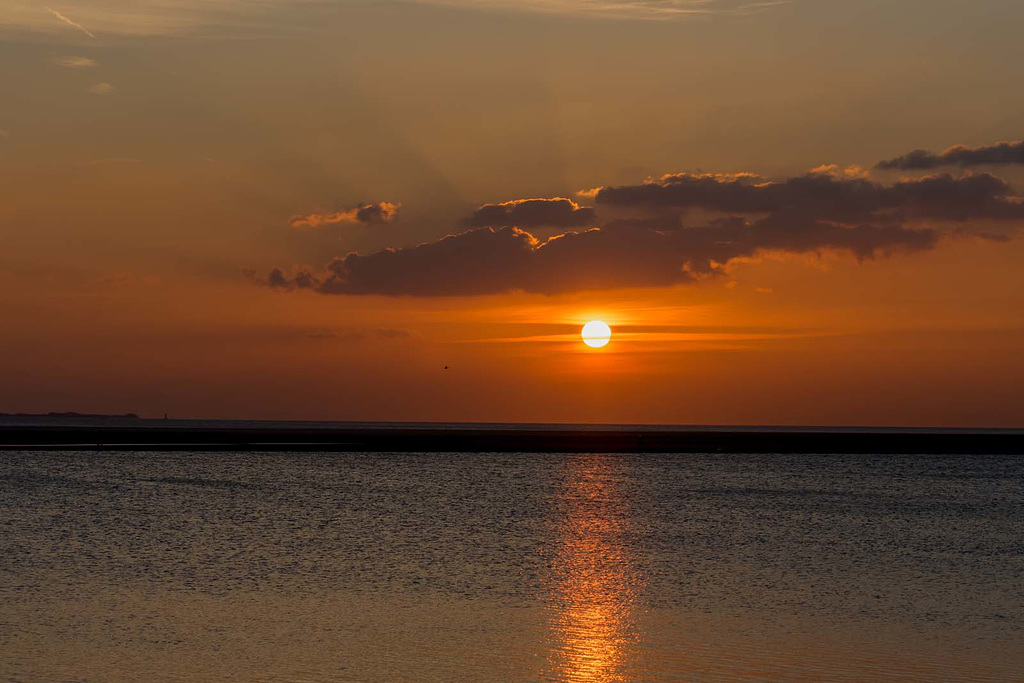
510 567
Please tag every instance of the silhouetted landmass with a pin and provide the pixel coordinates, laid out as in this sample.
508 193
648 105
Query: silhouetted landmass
73 415
341 437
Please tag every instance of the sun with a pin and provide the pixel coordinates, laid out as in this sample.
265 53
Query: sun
596 334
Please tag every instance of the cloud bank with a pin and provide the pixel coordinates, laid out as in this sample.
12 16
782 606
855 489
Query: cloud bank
679 229
641 254
1001 153
825 196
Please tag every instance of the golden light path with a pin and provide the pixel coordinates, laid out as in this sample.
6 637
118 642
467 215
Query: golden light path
596 334
593 624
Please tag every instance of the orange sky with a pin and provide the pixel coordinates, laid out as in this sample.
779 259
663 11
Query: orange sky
162 160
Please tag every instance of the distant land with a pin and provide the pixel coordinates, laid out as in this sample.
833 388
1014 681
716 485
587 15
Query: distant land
73 415
128 432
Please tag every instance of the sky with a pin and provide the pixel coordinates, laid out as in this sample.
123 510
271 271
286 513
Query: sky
804 212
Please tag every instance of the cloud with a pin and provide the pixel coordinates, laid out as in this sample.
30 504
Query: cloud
735 218
557 212
1001 153
383 212
67 21
643 10
650 253
154 17
177 17
835 171
825 196
101 89
72 62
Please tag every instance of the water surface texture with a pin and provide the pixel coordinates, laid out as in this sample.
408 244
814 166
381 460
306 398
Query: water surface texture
517 567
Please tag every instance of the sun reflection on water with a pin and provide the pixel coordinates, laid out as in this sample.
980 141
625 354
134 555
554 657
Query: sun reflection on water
593 625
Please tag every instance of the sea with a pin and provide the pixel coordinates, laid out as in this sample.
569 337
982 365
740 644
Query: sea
308 567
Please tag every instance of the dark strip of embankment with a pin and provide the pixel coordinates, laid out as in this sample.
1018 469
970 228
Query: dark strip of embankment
468 439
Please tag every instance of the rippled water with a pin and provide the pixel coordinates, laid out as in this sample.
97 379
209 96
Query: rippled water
495 567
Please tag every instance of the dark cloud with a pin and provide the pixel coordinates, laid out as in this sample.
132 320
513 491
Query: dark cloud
383 212
623 254
825 196
557 212
1000 153
824 210
301 278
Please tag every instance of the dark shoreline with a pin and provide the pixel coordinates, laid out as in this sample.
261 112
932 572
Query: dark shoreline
156 435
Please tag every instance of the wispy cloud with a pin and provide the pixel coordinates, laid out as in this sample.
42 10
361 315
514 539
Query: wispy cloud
650 10
570 333
69 22
111 18
101 89
73 62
